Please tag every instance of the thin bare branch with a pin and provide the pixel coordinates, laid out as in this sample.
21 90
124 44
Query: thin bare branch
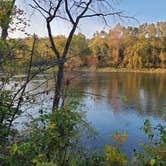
68 12
40 7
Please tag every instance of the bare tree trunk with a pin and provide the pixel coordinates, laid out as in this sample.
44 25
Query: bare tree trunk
58 86
72 12
4 33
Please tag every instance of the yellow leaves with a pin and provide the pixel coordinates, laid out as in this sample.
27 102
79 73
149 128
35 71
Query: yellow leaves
112 153
117 137
152 162
107 148
66 64
162 56
124 136
114 156
52 126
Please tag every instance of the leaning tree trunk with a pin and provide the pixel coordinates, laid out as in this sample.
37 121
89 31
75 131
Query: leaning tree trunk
58 87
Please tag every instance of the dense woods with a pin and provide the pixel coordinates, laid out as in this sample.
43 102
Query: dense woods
129 47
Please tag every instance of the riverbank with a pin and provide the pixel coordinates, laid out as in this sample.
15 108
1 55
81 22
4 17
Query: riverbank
110 69
94 69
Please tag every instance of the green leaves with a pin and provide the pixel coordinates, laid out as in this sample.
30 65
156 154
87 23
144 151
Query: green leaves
50 138
154 153
13 149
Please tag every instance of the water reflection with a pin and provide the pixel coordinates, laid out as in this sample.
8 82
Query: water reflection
113 101
143 92
129 99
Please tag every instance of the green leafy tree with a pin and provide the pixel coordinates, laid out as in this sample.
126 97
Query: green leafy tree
6 13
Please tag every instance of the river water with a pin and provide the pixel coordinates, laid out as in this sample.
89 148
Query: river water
117 102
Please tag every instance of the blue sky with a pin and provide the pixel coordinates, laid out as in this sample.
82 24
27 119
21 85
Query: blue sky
143 10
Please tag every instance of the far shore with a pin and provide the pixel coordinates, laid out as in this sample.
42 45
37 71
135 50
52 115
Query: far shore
110 69
101 69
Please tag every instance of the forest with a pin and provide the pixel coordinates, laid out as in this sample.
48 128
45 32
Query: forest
120 47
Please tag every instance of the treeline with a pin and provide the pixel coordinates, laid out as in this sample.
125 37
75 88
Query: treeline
129 47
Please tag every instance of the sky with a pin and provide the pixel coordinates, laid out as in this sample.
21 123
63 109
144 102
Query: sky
143 10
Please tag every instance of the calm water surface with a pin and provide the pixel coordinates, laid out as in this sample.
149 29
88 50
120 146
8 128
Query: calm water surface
119 102
129 99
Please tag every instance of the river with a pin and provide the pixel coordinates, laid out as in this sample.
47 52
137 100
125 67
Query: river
116 102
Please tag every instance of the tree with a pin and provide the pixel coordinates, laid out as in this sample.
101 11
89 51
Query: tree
72 11
6 12
99 48
114 41
79 46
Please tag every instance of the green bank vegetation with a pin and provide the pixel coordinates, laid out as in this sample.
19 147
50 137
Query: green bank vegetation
53 140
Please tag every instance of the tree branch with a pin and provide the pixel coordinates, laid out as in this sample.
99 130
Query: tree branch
68 12
52 40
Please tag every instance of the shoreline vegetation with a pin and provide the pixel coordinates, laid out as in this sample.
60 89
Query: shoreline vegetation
111 69
96 70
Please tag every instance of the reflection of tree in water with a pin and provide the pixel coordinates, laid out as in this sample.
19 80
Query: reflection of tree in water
114 89
144 92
